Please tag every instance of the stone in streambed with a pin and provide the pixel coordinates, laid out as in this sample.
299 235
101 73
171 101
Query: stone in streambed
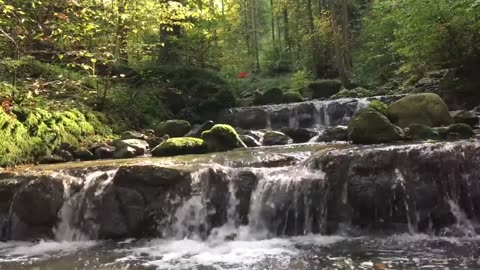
197 130
249 141
141 147
222 138
421 132
124 152
427 109
276 138
465 117
172 128
370 127
180 146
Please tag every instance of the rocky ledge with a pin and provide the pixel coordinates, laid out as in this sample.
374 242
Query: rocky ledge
429 187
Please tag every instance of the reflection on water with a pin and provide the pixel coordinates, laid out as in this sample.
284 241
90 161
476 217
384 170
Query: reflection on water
296 253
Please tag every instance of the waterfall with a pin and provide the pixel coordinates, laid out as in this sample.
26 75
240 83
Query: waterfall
72 215
314 114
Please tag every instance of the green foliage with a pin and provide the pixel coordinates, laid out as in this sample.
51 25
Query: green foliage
300 79
402 37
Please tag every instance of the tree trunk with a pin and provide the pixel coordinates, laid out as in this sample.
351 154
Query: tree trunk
256 66
286 30
313 43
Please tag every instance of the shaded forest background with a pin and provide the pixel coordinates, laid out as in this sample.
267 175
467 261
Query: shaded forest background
72 70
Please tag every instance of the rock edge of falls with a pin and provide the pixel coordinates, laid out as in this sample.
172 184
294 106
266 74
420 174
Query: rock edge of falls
429 187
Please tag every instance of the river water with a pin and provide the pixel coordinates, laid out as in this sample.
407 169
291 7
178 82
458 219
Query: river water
300 253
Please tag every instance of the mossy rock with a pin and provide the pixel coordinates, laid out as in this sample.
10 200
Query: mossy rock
258 98
464 131
222 138
273 96
324 88
427 109
141 147
292 97
442 131
172 128
34 133
421 132
180 146
370 127
378 106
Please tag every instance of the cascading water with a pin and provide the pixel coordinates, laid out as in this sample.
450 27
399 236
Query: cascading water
72 215
315 114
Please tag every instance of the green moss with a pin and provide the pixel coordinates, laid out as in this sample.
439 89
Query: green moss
426 109
292 97
180 146
369 127
222 138
378 106
465 131
37 132
422 132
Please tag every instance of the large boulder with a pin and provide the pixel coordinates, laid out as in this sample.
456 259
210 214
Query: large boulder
222 138
273 96
123 152
172 128
426 109
324 88
465 117
370 127
180 146
276 138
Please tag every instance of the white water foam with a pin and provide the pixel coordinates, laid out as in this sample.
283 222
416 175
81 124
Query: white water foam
70 214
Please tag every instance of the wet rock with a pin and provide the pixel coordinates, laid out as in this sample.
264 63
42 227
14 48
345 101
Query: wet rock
370 127
173 128
426 109
222 138
141 147
8 188
83 154
64 154
180 146
52 159
124 152
421 132
379 187
196 131
299 135
104 152
133 135
245 182
465 117
332 134
464 131
153 141
36 207
249 141
247 118
276 138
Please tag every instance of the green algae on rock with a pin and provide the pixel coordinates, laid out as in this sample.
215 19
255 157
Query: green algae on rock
222 138
370 127
180 146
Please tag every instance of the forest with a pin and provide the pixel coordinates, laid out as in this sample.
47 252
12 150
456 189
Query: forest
80 71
